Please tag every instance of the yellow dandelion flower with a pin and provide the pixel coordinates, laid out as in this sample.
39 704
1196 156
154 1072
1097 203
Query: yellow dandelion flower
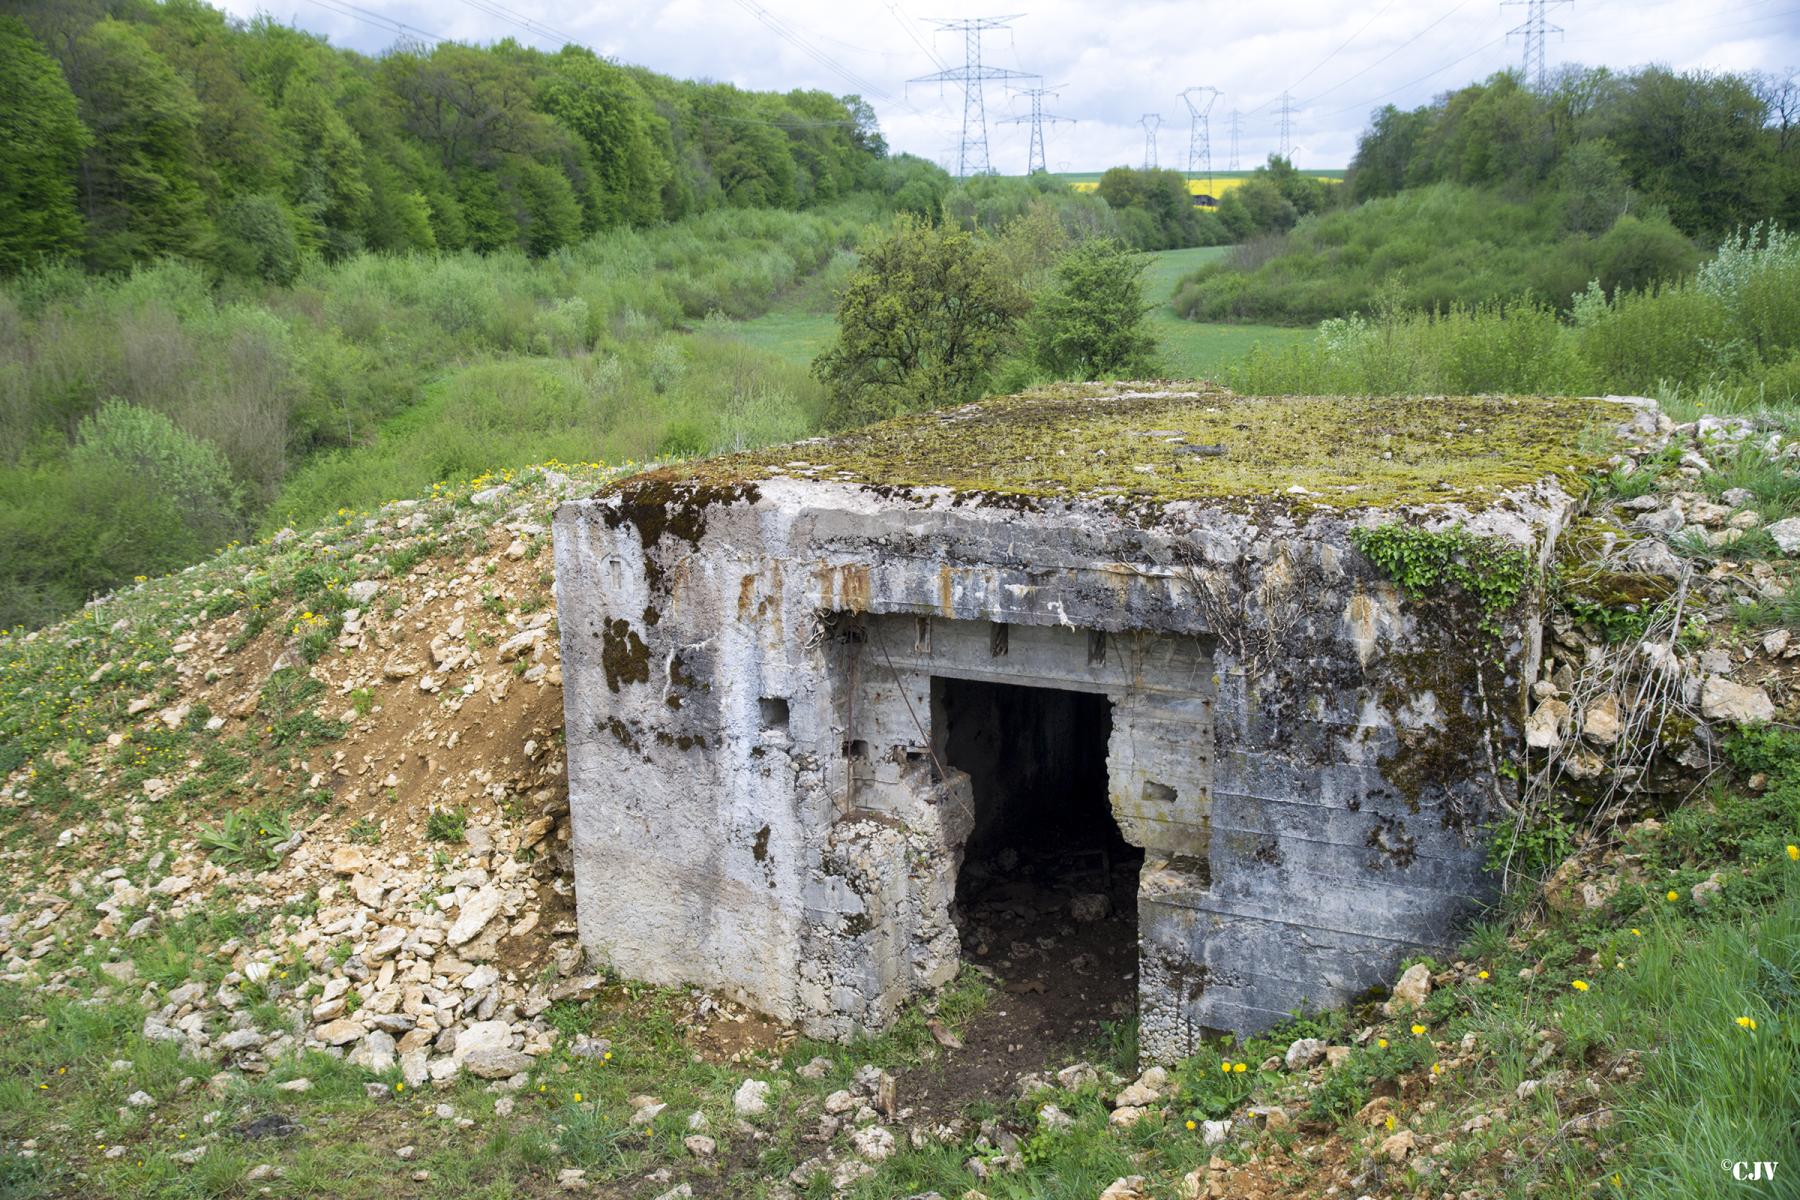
1637 933
1437 1068
1579 985
1191 1126
1481 974
1225 1067
1389 1122
1240 1068
1793 852
1674 895
399 1087
578 1097
1381 1042
1418 1029
1747 1023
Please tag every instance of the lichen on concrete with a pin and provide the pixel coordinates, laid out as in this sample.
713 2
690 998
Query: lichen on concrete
1158 444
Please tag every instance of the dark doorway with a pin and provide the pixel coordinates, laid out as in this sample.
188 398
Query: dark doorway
1047 893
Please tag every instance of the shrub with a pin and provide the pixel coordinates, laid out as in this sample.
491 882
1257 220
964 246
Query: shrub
1092 323
136 441
921 323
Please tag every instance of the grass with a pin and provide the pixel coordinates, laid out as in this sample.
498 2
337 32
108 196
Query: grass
797 332
1195 349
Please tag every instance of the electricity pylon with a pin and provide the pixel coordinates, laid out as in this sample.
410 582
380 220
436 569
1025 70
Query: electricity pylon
972 153
1536 30
1199 101
1035 159
1150 121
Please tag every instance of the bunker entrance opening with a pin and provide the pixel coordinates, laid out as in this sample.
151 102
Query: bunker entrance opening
1047 892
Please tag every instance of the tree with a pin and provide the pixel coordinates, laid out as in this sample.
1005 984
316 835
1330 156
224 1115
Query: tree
141 176
920 324
41 141
1092 323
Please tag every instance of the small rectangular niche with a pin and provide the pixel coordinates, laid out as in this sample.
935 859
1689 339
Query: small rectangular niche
1158 793
774 712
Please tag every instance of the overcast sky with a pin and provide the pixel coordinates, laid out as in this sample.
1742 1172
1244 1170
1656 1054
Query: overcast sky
1110 62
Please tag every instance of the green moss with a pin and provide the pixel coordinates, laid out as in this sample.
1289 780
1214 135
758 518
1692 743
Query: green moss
1109 440
623 654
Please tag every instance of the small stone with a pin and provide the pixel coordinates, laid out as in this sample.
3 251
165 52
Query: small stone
874 1144
474 915
1398 1147
339 1033
349 860
1126 1117
1600 720
1414 984
496 1064
572 1179
1213 1133
1304 1052
751 1099
1090 906
1786 534
700 1146
1543 729
141 1100
1128 1187
1723 700
302 1084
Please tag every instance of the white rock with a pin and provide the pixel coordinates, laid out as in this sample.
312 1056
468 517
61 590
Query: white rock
1303 1053
474 915
751 1099
873 1144
1212 1133
1786 534
141 1100
1723 700
1543 729
1410 990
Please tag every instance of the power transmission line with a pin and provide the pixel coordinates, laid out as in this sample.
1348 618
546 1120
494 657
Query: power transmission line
535 28
1199 101
346 9
1536 30
1391 53
1237 124
1411 83
1035 156
1150 121
1287 125
972 151
775 26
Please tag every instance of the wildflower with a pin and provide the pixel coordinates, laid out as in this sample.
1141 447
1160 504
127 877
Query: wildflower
1390 1122
1579 985
1225 1067
1637 933
578 1097
400 1087
607 1057
1381 1043
1481 974
1748 1023
1418 1029
1240 1068
1437 1068
1674 895
1793 852
1191 1126
1618 1181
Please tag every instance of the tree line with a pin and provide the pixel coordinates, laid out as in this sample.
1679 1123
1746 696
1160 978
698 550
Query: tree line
135 130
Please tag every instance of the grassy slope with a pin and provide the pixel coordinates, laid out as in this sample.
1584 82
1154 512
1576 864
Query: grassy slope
798 330
1190 349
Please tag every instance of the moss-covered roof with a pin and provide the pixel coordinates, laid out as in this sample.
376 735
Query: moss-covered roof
1163 443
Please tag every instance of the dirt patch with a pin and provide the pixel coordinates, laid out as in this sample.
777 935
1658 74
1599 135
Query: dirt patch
1060 980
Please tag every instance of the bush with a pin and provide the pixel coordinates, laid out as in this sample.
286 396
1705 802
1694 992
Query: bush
257 238
921 323
146 445
1091 324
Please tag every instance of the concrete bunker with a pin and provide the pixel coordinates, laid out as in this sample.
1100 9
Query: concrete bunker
814 696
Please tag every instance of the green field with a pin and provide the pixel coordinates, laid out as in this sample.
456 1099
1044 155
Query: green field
798 332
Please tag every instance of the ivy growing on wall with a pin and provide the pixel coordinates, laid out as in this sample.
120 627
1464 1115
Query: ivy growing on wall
1424 563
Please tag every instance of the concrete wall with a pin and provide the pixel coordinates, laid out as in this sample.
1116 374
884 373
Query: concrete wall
747 682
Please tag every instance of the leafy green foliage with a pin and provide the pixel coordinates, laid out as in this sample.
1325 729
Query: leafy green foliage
252 147
1426 563
245 839
41 142
1091 324
447 824
921 322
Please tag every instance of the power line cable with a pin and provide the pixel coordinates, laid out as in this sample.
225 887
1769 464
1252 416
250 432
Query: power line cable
345 9
1397 49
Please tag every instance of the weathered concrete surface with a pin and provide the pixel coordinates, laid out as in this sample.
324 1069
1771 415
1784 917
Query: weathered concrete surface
751 735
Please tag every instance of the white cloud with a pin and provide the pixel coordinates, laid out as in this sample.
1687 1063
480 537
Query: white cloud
1114 62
